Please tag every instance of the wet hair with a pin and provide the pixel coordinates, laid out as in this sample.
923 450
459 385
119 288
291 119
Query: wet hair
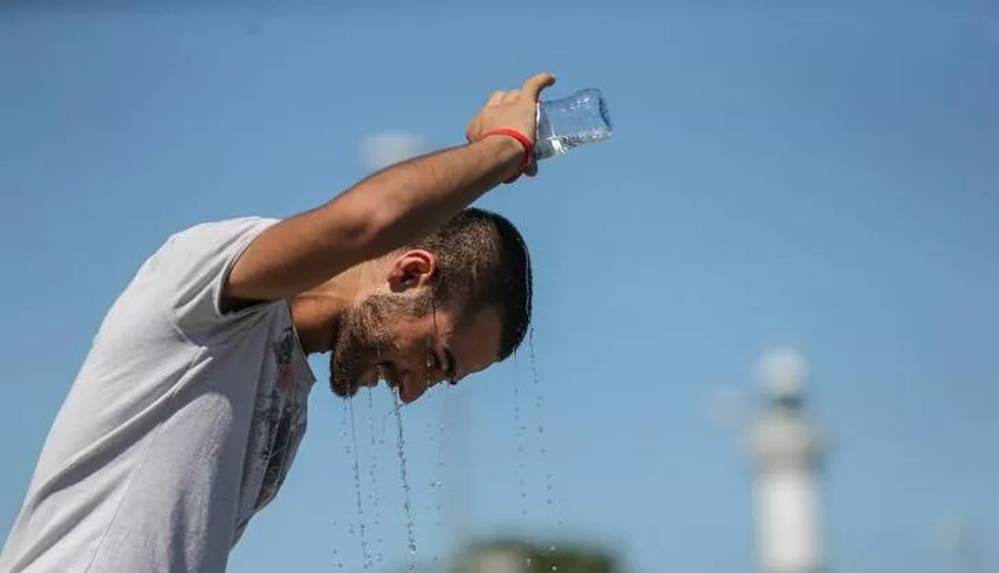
483 262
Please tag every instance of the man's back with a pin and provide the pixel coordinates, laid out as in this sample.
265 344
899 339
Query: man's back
181 423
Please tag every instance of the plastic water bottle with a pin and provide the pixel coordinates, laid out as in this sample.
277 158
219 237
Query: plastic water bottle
570 122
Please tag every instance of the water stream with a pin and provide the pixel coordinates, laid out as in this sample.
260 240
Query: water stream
404 479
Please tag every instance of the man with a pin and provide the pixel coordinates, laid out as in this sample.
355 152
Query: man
187 412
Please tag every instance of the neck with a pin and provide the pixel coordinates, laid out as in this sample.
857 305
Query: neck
318 311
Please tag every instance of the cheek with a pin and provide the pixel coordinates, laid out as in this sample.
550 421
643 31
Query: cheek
412 333
399 346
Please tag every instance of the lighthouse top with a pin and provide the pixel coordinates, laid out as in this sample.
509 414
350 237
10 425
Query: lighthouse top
784 436
782 373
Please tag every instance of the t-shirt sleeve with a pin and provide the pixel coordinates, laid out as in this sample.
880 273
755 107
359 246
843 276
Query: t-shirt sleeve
193 268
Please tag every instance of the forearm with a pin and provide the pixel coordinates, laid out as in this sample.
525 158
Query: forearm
391 208
381 213
409 200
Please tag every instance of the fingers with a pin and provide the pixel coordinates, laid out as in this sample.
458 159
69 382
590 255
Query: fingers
531 88
533 85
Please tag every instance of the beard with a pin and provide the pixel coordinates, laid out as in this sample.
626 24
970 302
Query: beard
364 338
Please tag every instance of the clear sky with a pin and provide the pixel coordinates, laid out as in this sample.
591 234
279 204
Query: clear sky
809 174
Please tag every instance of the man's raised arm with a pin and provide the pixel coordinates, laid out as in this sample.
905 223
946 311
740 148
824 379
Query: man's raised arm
390 208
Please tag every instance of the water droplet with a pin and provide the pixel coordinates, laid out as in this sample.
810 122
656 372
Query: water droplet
358 495
554 567
373 466
551 548
404 478
538 402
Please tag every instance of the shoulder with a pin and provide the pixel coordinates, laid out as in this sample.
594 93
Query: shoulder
194 266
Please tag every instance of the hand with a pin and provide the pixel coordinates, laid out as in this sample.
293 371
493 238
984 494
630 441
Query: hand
516 109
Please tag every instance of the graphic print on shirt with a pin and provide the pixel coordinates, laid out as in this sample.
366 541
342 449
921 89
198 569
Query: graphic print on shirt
277 428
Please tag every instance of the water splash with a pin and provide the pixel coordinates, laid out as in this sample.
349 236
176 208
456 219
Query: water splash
435 433
541 441
373 475
344 434
345 440
518 421
521 439
357 488
406 497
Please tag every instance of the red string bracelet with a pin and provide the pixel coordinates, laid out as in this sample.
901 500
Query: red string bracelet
523 140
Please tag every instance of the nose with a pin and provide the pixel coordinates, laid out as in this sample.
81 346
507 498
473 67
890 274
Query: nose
412 396
413 387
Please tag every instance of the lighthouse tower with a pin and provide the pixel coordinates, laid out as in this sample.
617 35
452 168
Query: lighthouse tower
788 453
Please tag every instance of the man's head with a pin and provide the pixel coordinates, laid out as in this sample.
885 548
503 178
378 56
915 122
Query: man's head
446 306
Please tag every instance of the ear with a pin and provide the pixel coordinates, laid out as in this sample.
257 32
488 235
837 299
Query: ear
414 268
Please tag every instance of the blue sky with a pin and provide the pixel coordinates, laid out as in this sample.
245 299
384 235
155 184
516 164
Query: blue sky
782 174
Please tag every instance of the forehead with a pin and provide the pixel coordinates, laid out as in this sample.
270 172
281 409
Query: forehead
473 339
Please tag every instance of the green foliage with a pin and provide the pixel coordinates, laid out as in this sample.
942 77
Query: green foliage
484 556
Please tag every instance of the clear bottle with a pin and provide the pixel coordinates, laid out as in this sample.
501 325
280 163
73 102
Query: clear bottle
570 122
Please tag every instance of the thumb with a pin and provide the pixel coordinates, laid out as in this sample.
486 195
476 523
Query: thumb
533 85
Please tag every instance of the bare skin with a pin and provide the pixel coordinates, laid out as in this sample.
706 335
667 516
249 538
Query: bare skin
328 261
426 350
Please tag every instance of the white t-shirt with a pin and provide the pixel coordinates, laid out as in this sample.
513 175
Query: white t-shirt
181 424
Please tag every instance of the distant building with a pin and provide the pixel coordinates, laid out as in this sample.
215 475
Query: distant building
787 451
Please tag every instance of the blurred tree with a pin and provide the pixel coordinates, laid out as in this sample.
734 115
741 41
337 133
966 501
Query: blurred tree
511 556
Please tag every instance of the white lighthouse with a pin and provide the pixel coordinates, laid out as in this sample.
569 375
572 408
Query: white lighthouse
788 454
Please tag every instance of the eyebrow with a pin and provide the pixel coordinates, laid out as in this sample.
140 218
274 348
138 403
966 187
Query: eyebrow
451 366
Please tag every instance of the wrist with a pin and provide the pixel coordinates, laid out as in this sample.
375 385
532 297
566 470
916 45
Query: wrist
509 153
524 142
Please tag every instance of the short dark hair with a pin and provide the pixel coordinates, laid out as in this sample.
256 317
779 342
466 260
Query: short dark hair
482 261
